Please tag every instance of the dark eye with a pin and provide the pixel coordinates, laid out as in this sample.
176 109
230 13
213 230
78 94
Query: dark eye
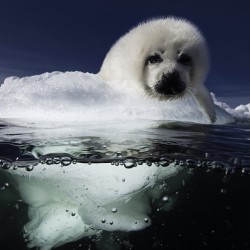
153 59
185 60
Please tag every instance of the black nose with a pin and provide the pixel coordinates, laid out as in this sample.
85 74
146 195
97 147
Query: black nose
170 84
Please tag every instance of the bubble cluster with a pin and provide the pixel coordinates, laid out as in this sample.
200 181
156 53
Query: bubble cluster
5 164
57 159
229 166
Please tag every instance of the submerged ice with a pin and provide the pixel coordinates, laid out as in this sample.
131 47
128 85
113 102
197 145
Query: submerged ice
70 202
77 96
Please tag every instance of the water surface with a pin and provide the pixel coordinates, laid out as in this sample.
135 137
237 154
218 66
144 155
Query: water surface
145 185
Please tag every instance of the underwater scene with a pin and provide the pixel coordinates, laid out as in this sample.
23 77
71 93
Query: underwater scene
119 186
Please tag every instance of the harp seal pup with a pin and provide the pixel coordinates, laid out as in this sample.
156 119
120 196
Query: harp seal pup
166 58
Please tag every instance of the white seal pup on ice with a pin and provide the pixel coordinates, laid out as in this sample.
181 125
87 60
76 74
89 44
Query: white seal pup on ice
165 58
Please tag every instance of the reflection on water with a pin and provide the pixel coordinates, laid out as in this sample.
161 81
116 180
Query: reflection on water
119 183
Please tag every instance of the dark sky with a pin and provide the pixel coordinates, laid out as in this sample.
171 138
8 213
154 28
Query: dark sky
39 36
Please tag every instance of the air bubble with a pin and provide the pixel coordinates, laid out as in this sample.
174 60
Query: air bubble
165 199
7 165
65 160
182 163
245 171
207 155
157 164
146 220
199 164
42 161
49 161
164 162
237 161
208 164
29 168
103 220
176 162
215 165
204 163
119 155
56 160
129 163
223 191
191 163
114 210
229 170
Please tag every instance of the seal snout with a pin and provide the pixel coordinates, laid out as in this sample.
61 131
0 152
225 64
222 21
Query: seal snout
170 84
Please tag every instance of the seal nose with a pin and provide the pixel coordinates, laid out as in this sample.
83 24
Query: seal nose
170 84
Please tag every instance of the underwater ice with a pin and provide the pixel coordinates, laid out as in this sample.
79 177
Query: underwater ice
79 200
77 96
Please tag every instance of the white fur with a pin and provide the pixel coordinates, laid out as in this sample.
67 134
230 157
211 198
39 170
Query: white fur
125 62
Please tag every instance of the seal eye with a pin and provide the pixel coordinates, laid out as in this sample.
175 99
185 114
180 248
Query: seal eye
185 60
153 59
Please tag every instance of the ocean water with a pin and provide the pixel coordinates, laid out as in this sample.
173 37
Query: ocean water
128 184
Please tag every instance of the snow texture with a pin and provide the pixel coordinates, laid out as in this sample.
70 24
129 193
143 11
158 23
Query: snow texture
78 96
240 113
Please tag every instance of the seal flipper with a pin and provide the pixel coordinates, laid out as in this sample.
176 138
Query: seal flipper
206 103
